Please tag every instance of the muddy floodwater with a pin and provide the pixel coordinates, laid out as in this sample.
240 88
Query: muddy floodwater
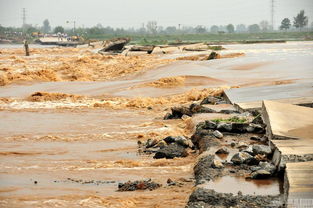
72 149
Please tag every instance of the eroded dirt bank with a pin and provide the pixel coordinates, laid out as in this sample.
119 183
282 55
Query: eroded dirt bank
73 144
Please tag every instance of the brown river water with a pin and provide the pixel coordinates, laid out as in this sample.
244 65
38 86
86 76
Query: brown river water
46 147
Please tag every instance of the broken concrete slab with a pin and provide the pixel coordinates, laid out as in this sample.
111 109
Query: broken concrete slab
116 44
289 128
299 183
250 98
286 121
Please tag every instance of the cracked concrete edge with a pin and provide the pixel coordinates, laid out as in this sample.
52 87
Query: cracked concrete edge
224 95
267 121
269 133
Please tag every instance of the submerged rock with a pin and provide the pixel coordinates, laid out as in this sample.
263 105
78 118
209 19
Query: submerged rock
178 112
138 185
180 140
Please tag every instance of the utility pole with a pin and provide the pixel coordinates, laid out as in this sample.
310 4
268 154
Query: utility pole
272 13
24 19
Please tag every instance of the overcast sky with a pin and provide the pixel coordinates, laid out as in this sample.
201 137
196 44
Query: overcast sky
132 13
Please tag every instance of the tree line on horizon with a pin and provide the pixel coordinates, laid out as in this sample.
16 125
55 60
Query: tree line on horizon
300 21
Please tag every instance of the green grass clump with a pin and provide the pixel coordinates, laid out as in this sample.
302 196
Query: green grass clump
234 119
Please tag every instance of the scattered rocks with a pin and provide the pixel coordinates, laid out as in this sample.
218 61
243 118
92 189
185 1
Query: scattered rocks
222 150
268 167
241 158
203 170
204 139
203 198
218 134
81 181
138 185
239 127
261 149
233 127
171 151
213 100
255 128
179 112
224 127
248 150
207 125
170 182
196 108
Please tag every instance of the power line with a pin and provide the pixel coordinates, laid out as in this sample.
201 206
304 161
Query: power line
24 16
272 13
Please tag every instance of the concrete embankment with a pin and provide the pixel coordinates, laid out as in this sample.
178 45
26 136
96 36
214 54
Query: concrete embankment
289 128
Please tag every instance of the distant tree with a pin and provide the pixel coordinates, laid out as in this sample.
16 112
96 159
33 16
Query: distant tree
230 28
222 28
200 29
300 20
2 29
285 24
241 28
152 27
160 29
264 25
31 29
254 28
95 30
170 29
99 25
59 29
46 26
214 29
